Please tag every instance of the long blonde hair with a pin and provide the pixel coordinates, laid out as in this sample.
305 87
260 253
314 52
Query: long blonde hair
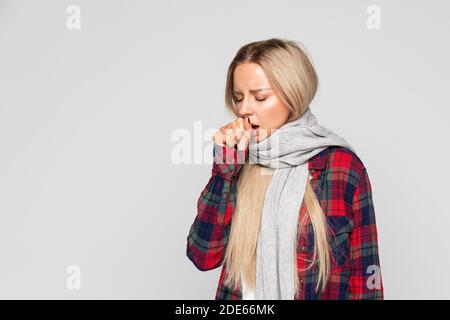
292 77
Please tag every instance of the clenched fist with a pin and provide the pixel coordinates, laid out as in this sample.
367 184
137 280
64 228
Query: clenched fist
237 132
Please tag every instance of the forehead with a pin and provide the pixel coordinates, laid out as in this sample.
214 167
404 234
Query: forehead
248 76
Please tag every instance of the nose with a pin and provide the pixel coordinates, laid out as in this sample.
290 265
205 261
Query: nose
245 109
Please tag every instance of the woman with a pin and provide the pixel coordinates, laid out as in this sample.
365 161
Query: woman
288 209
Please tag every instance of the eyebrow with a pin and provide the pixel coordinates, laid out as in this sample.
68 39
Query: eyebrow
253 90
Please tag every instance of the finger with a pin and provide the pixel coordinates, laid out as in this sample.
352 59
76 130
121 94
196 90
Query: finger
230 137
241 124
243 143
237 129
222 136
247 124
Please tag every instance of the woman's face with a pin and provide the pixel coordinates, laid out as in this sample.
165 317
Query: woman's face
255 99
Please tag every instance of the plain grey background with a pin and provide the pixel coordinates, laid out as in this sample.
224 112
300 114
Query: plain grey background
87 176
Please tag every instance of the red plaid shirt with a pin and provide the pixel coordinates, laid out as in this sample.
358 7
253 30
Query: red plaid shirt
342 186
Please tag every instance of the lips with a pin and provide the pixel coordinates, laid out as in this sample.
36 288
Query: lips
254 126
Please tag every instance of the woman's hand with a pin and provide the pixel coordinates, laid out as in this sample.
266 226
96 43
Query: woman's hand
236 132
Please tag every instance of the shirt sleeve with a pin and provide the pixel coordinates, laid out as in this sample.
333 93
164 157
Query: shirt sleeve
208 235
365 276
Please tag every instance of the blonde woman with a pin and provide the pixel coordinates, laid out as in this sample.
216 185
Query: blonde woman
288 210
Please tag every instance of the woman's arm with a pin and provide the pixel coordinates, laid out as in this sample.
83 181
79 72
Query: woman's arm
208 235
365 276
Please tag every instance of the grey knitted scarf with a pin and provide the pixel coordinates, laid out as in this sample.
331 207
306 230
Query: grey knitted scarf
287 151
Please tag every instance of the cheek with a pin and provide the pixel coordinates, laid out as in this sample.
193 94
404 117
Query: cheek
273 115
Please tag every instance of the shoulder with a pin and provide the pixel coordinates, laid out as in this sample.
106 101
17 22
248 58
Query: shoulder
344 159
344 165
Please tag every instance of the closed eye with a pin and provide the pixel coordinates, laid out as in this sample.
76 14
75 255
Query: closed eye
257 99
